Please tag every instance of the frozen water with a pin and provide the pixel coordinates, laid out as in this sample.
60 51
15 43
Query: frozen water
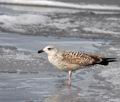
61 4
29 76
26 76
19 50
59 22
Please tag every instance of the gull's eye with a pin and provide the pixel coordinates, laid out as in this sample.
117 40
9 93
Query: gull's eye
50 48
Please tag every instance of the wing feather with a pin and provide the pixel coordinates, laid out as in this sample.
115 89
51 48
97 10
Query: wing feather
80 58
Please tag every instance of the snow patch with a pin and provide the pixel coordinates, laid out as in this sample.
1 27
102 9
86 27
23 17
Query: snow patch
101 31
113 19
23 19
16 22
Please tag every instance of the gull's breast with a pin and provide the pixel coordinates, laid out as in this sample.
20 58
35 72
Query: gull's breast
62 65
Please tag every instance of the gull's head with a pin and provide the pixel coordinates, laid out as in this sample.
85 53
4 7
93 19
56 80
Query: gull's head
49 50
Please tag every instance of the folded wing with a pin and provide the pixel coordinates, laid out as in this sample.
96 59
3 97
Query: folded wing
80 58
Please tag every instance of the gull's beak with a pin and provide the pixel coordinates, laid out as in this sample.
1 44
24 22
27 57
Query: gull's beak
40 51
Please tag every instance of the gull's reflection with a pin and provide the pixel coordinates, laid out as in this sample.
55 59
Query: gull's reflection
65 93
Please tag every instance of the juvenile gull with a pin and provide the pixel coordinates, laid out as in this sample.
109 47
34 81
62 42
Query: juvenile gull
70 61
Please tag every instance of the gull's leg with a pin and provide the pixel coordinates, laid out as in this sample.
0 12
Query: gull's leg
69 81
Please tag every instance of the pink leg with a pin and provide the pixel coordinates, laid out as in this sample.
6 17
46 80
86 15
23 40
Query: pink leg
69 81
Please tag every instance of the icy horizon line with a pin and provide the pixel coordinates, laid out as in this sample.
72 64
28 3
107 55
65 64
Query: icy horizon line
60 4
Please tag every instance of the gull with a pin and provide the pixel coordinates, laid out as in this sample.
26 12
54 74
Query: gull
70 61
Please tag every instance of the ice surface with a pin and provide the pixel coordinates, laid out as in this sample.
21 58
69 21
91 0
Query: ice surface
95 30
62 4
26 76
14 22
59 22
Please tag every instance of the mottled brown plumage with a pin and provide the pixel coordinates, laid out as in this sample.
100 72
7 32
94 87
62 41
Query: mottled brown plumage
70 61
82 59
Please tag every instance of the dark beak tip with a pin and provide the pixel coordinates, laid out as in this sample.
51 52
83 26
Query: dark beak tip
40 51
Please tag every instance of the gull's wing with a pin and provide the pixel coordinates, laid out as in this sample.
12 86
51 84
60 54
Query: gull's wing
80 58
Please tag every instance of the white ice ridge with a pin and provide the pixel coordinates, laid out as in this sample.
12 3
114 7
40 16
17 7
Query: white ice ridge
61 4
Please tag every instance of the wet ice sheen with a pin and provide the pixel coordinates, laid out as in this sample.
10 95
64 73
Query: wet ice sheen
36 80
26 76
61 4
59 22
18 54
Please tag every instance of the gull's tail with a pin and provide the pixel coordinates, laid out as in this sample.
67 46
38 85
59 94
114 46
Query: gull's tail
105 61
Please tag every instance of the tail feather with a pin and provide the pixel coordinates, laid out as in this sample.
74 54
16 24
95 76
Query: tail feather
105 61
